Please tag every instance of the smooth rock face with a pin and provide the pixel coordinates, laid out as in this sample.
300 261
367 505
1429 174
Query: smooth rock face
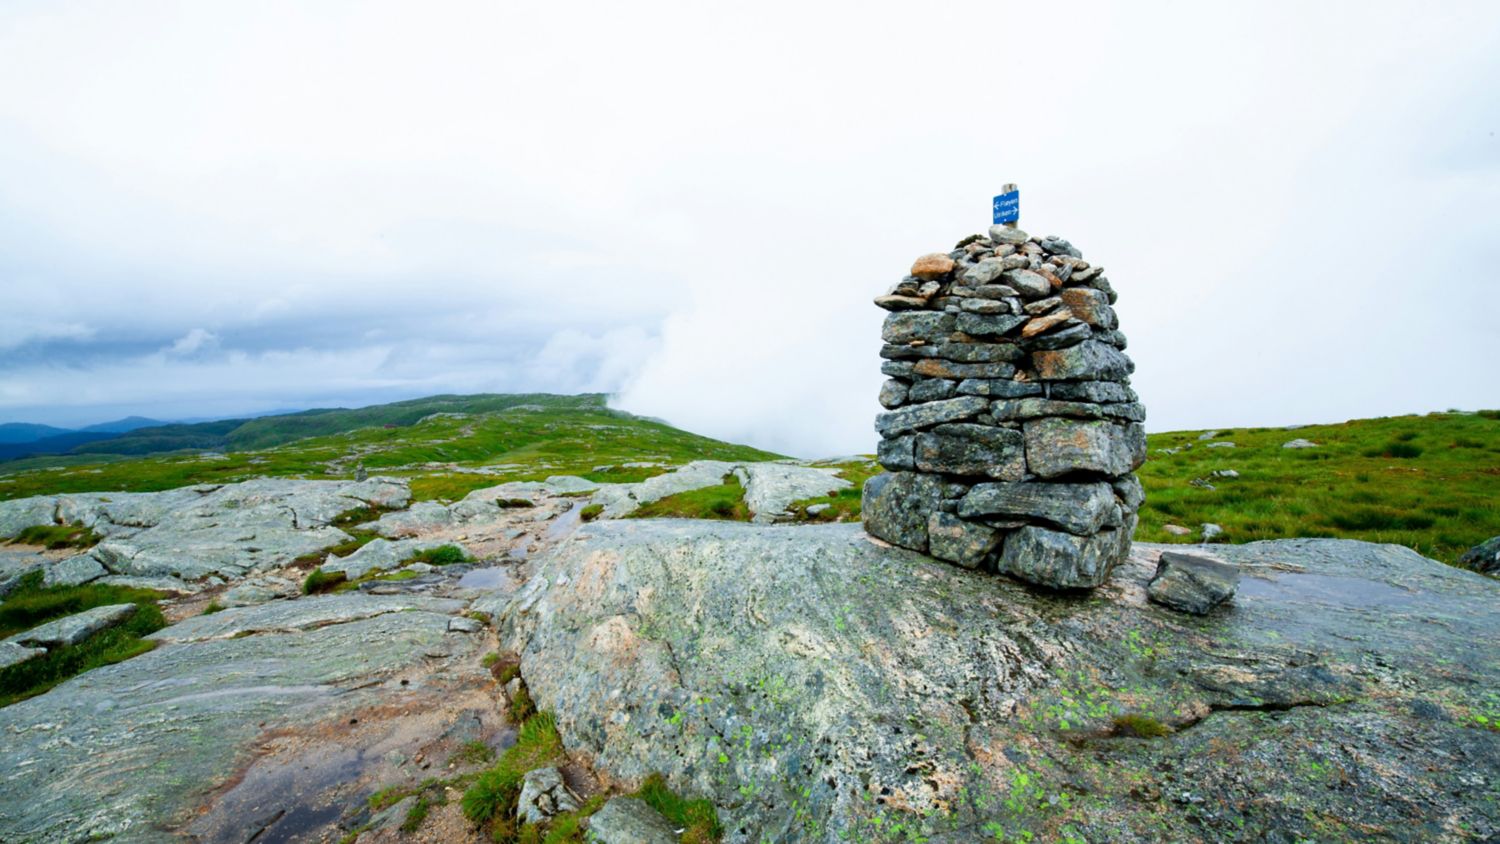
768 669
70 630
1192 584
627 820
897 506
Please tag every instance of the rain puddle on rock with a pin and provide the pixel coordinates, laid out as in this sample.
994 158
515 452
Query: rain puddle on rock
493 577
564 524
1325 589
257 808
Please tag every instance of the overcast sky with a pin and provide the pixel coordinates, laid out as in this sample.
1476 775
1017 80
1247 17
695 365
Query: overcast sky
214 208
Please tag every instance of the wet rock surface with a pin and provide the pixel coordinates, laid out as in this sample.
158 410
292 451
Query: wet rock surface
1192 584
818 685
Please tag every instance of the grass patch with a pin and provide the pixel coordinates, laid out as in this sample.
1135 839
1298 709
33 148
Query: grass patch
723 502
54 537
492 798
416 814
591 512
696 818
1431 483
844 505
213 607
473 753
514 503
443 555
319 581
31 604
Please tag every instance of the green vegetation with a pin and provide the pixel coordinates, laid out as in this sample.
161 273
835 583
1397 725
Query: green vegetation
1140 726
31 604
443 555
514 438
725 501
844 505
213 607
591 512
473 753
1426 482
319 581
492 798
54 537
697 819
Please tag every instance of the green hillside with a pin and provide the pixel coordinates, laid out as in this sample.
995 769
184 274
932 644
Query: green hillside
1430 482
525 437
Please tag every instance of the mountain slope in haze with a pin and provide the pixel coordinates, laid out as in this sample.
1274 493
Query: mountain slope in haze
26 432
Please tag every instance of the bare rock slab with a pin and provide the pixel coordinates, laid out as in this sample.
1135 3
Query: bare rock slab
74 628
628 820
1192 584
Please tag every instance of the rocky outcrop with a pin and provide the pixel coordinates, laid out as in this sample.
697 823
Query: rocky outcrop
1192 584
1484 557
1011 431
818 685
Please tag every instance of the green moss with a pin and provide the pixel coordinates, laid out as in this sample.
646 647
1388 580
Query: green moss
591 512
514 503
443 555
1140 726
55 537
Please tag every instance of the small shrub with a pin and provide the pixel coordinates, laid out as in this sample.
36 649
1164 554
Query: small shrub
1140 726
319 581
591 512
443 555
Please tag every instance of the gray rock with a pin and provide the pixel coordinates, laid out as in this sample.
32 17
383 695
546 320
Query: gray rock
961 371
73 629
897 368
21 513
958 541
927 326
628 820
380 555
1087 361
1028 283
14 654
1032 408
1099 392
998 388
896 507
304 614
1070 336
544 795
816 638
250 594
770 488
1006 234
1042 306
897 453
1056 447
975 450
1224 473
1299 443
80 568
1211 531
1223 444
1056 245
1192 584
900 303
1177 530
1091 306
422 517
893 393
126 751
992 326
973 306
1077 508
816 509
461 624
1130 492
931 389
1484 557
983 272
1061 560
170 585
927 415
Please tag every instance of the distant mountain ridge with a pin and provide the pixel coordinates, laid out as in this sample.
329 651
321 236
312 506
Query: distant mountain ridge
137 435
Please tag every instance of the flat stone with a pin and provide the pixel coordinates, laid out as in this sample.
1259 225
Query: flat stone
897 368
1057 446
1299 443
1177 530
74 628
1083 509
900 303
419 518
975 450
1028 283
460 624
1192 584
998 388
989 326
1061 339
1221 444
306 613
1130 492
1032 408
80 568
958 541
1091 306
984 306
628 820
1006 234
1061 560
1087 361
250 594
770 488
927 326
960 371
983 273
15 654
897 453
1098 392
931 389
1210 531
380 555
932 267
927 415
896 507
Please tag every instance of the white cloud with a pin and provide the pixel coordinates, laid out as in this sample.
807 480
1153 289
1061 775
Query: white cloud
192 342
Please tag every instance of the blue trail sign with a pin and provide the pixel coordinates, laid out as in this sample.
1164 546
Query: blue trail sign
1008 207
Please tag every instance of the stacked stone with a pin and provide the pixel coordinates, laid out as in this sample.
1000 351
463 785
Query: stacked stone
1012 432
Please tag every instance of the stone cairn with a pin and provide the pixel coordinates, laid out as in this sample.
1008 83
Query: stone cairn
1012 432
